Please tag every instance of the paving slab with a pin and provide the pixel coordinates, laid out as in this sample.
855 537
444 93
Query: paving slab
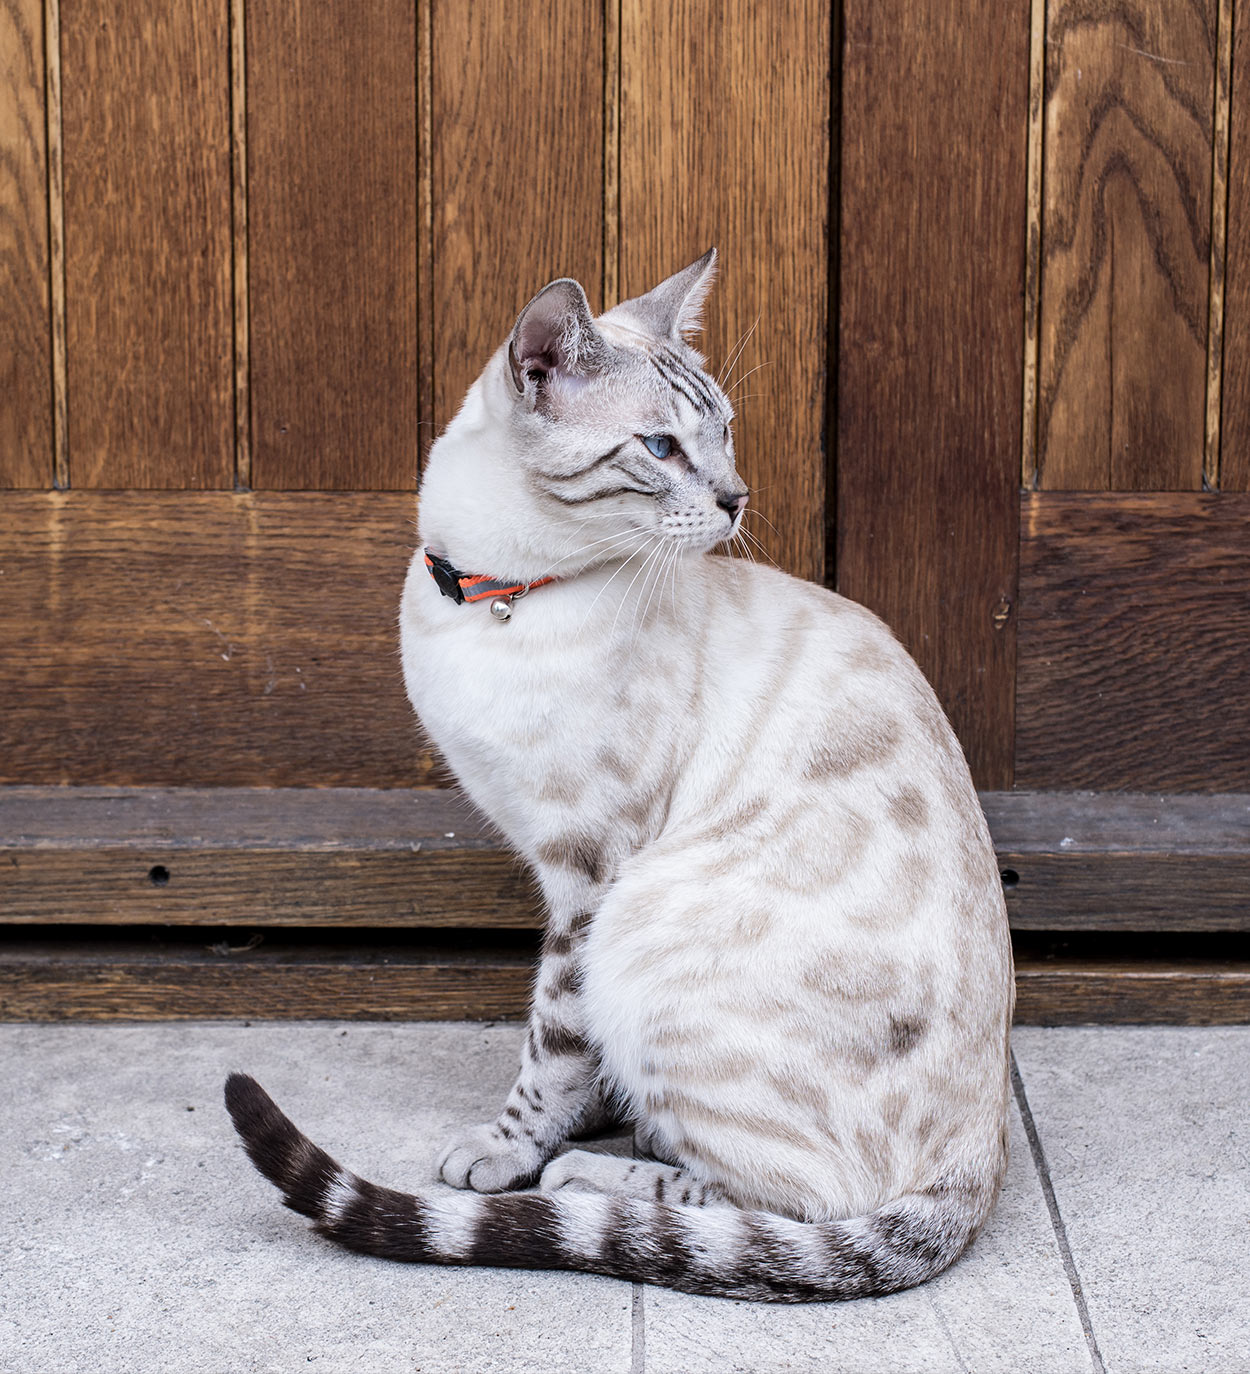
1006 1306
1146 1131
136 1235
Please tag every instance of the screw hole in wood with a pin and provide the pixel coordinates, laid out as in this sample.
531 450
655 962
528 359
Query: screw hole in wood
158 875
1010 877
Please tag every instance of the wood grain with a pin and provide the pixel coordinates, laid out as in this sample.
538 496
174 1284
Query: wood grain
332 244
1235 407
26 455
517 174
56 239
216 639
140 981
148 244
257 857
1130 88
1134 622
1219 243
358 857
168 979
1119 991
241 319
934 201
725 141
1123 861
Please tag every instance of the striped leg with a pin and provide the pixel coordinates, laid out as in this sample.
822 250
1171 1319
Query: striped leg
557 1086
585 1171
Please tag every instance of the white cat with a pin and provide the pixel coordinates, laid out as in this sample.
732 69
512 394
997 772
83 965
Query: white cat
776 941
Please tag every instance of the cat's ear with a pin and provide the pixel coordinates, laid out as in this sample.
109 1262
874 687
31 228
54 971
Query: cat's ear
675 307
555 334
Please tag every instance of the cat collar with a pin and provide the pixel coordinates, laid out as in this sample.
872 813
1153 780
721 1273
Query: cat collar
462 587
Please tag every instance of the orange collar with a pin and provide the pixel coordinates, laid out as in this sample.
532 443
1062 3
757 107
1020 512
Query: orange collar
462 587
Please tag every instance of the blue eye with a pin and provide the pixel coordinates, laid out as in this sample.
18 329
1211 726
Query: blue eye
661 445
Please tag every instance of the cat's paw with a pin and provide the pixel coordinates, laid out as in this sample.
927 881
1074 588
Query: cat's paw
482 1159
585 1172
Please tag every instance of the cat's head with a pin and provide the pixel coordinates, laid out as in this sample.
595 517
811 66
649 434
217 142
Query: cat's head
587 440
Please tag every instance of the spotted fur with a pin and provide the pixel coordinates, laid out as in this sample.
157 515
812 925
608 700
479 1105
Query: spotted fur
776 940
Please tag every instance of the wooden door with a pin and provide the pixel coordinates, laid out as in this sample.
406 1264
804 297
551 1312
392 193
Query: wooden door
991 384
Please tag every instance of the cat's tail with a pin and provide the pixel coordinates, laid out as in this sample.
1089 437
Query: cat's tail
717 1250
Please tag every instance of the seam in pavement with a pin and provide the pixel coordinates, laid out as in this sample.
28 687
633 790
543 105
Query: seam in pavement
638 1329
1056 1220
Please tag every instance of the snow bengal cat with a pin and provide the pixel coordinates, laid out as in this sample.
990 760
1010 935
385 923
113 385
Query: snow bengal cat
776 942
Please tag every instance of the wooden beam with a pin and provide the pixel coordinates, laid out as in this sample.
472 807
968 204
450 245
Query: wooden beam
256 857
363 857
279 979
1116 861
1077 992
132 981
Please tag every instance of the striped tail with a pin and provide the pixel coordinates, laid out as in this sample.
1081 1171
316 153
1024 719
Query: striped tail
716 1250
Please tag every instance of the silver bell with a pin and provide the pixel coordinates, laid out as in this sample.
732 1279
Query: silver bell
501 608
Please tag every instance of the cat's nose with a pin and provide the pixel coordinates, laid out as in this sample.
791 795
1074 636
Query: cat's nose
731 503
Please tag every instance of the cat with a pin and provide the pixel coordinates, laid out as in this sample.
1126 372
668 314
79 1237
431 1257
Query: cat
776 940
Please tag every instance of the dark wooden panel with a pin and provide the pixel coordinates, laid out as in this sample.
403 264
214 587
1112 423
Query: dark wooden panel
292 857
1134 626
221 638
25 338
132 980
1100 861
332 244
725 140
930 359
1235 411
1109 991
42 981
517 172
147 243
1130 87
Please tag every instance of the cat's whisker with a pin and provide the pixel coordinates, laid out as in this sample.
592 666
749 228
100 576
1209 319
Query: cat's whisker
655 548
624 564
758 514
767 363
725 375
747 535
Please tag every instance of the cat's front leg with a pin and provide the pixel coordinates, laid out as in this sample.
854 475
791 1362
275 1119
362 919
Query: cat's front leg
557 1085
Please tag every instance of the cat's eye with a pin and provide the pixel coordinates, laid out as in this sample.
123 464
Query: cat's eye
658 445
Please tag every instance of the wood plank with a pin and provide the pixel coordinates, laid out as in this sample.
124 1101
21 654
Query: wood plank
739 109
1123 861
1130 88
1134 621
930 365
148 243
517 173
372 858
1235 406
260 857
332 244
26 458
221 638
41 981
1108 991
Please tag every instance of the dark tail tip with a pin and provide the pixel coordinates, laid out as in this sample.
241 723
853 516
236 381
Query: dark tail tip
279 1150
